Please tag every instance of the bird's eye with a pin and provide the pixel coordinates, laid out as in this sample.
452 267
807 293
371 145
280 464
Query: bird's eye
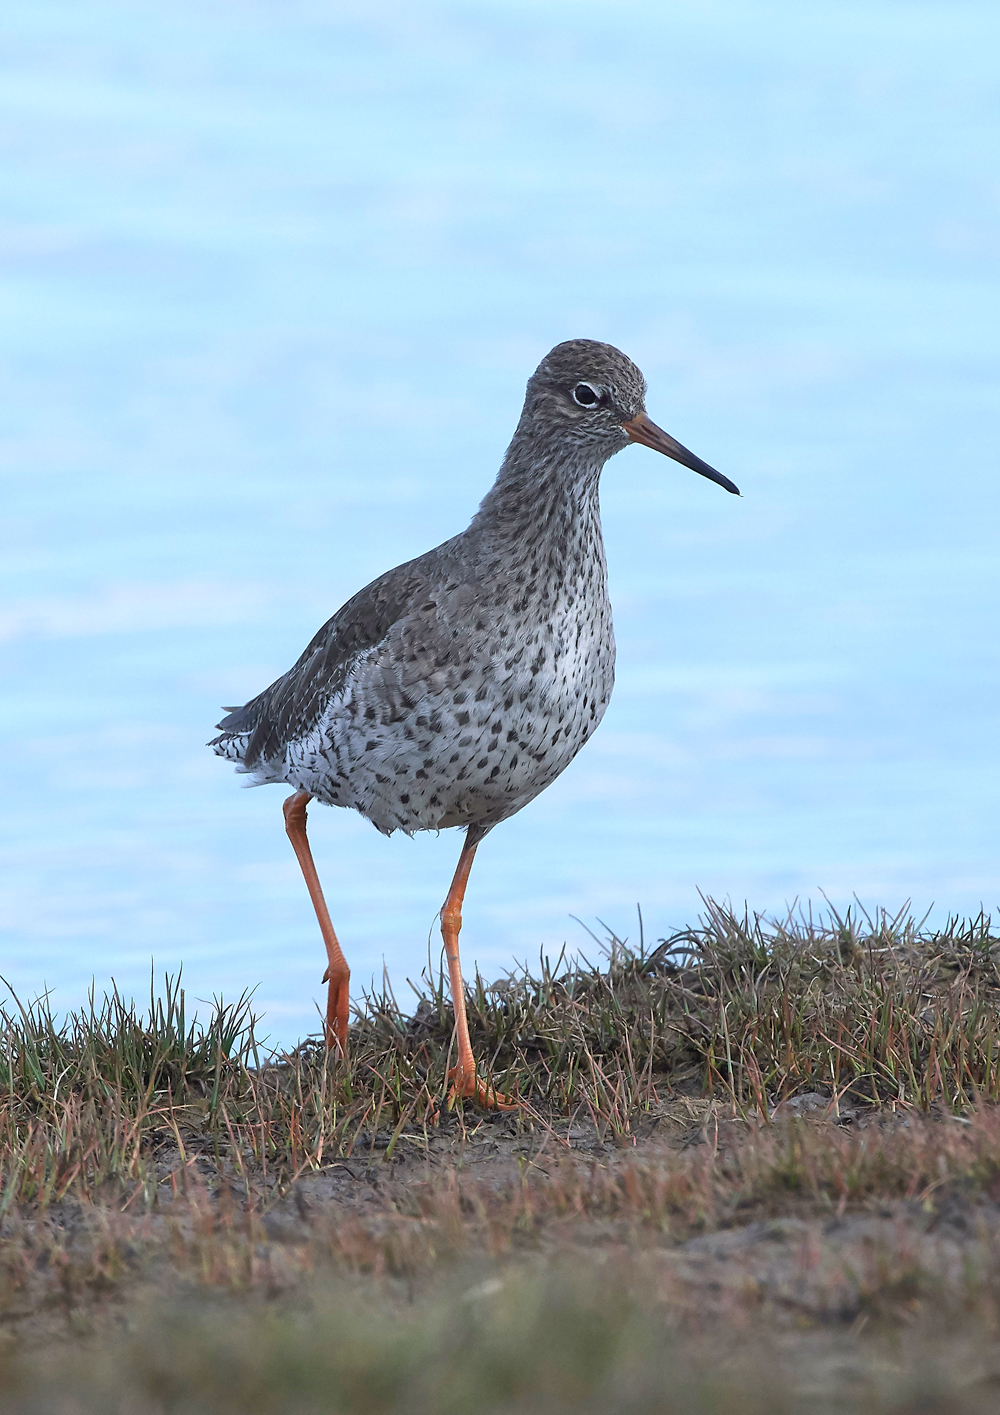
585 395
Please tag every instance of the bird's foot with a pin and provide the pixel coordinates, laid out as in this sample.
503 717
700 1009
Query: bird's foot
466 1086
337 1012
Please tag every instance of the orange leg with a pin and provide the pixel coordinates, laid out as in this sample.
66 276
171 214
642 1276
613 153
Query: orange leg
337 974
463 1078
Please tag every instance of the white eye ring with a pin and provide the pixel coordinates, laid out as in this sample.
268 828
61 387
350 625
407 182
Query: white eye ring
586 402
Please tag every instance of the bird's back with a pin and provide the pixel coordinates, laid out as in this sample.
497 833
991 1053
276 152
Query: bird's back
258 734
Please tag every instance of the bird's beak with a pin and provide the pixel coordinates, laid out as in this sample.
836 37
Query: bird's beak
642 429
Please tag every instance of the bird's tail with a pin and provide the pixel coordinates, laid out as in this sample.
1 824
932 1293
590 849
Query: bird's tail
237 728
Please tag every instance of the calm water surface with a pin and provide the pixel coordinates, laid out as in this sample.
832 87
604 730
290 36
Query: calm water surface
273 279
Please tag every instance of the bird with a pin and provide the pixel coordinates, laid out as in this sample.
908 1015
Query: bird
456 687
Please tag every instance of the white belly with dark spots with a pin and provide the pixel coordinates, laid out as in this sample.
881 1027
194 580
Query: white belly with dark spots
475 746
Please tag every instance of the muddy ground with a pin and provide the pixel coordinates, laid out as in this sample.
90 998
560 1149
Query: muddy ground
729 1228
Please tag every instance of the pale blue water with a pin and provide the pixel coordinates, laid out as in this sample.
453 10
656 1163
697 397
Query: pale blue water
273 279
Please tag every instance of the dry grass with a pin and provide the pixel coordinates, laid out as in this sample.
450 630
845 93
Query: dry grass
490 1346
747 1012
619 1282
757 1132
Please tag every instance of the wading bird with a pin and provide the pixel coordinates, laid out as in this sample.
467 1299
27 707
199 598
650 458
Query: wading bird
453 689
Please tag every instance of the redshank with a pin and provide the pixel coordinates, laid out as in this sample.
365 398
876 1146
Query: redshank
454 688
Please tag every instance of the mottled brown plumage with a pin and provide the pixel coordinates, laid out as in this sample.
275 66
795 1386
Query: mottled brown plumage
454 688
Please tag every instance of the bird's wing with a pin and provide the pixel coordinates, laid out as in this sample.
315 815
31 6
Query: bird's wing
293 705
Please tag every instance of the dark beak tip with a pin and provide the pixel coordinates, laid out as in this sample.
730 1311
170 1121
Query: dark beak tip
712 475
642 429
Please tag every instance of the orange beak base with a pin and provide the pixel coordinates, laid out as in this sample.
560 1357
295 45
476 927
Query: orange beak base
644 430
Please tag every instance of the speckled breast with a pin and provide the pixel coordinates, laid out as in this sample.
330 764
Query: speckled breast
511 695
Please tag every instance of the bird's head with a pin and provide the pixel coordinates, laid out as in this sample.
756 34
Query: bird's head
589 395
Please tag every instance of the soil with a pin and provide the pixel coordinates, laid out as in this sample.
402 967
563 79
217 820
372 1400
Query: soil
839 1293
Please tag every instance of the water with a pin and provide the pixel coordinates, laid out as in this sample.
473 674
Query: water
273 279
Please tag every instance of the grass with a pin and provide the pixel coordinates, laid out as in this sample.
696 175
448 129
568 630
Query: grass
570 1288
746 1011
492 1346
820 1094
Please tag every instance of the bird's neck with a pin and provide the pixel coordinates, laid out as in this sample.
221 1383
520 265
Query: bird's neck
543 495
